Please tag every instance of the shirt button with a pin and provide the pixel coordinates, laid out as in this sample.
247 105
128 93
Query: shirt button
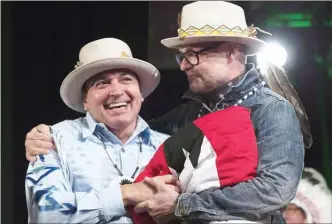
122 150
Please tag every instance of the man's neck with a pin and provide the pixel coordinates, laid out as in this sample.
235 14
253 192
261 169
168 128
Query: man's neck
236 73
124 133
213 96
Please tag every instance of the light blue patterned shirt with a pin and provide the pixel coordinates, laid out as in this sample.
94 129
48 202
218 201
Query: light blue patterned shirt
77 183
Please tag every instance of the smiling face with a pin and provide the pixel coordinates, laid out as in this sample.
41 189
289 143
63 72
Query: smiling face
114 98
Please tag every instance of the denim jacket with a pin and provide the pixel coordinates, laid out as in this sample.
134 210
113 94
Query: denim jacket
281 156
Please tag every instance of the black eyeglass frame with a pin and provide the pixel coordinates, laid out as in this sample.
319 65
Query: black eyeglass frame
180 56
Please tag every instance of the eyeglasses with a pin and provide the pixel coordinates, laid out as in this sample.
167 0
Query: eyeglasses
192 56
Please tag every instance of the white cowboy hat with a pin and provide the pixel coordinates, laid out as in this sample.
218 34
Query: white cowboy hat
102 55
214 21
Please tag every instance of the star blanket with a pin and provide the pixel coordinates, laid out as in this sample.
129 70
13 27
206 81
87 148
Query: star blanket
213 152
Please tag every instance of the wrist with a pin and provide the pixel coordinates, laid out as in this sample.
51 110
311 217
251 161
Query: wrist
126 192
125 186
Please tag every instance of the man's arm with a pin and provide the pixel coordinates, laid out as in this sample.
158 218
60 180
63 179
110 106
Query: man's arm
281 156
171 122
39 140
50 198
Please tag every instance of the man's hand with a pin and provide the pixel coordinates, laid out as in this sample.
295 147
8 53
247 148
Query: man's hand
162 204
133 194
38 141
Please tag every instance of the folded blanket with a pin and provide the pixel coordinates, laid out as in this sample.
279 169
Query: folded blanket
213 152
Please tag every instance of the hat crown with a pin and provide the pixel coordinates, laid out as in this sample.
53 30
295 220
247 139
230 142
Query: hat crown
214 21
214 14
103 49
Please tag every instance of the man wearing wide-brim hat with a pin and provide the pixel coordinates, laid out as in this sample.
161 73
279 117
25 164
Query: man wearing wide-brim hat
79 181
213 42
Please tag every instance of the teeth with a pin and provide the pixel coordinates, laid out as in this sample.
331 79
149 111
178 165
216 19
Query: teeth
118 104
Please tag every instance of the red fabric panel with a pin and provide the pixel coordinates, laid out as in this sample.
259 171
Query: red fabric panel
231 134
156 167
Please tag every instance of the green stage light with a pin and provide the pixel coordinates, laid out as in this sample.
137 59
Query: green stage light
294 16
302 23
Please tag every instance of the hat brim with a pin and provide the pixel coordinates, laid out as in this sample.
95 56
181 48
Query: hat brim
71 87
254 45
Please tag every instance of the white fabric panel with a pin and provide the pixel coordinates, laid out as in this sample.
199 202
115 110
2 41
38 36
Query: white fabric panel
205 176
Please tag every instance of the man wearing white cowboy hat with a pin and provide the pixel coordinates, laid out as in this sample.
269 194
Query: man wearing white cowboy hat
213 41
80 180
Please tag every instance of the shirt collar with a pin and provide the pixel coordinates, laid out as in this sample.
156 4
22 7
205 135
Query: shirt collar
92 126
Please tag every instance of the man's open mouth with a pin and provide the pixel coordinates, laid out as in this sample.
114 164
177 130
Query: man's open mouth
116 105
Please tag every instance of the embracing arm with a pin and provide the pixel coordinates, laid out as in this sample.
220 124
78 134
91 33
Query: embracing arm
281 156
175 119
39 140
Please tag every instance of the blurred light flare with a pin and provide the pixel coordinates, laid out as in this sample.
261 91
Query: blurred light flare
273 53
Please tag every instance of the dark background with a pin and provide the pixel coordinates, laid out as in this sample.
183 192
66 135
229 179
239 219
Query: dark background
40 45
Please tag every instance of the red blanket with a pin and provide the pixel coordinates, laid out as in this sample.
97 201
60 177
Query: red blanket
215 151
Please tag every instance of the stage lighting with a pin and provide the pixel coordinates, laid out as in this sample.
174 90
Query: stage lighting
273 53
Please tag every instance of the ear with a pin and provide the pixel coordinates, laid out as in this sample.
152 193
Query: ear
232 53
142 98
85 103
